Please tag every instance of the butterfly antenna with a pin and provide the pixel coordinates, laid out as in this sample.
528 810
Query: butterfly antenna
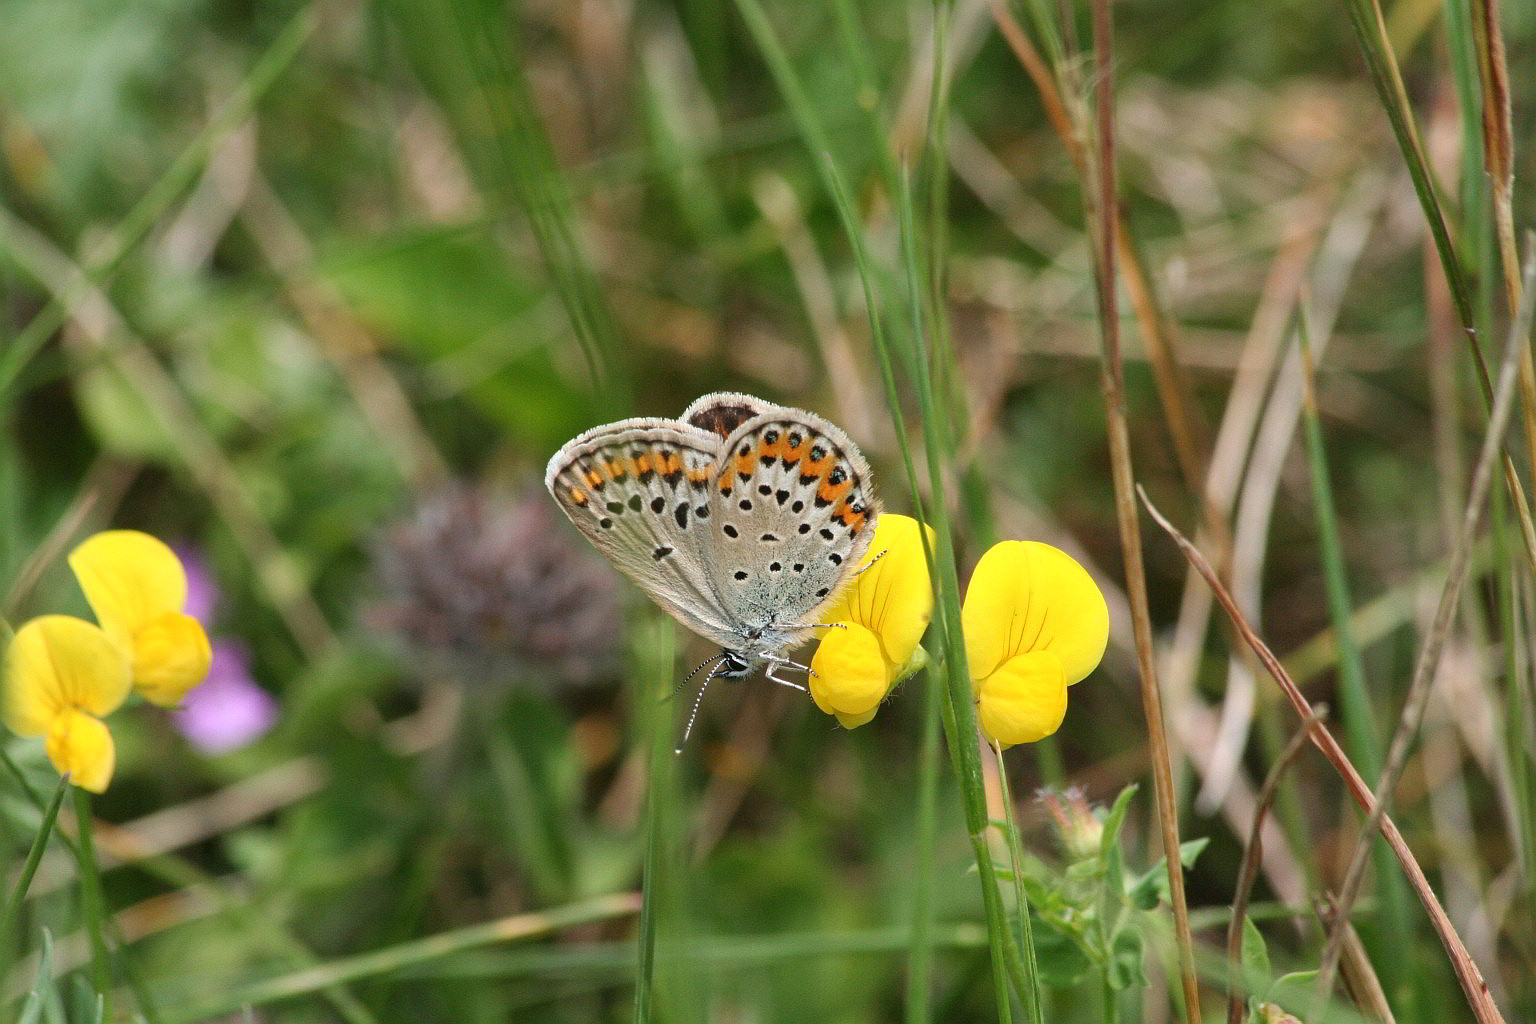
693 714
871 564
685 680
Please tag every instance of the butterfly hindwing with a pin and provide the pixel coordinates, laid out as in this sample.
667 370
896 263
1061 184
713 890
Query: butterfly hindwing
722 412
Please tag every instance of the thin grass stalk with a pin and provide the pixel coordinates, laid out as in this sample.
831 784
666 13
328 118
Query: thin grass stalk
106 259
1032 1000
1499 161
34 855
1518 723
1102 202
1360 723
381 962
198 448
1466 969
1370 30
932 361
494 55
1248 872
958 712
1360 979
657 863
92 901
1440 628
964 744
32 1009
1186 427
919 1008
176 871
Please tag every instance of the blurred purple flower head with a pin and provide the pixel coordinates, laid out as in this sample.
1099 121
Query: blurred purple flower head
491 588
229 709
202 592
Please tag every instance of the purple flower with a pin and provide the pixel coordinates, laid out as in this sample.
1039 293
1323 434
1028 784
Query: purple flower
202 592
229 709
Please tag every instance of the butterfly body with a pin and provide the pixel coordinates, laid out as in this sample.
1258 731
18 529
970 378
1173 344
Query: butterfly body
743 519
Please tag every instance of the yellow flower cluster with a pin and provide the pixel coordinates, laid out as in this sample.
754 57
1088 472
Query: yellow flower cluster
1034 622
879 621
62 675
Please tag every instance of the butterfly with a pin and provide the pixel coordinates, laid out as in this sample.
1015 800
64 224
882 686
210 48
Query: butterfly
742 519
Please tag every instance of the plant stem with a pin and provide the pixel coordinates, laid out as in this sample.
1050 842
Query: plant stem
1102 200
34 855
93 902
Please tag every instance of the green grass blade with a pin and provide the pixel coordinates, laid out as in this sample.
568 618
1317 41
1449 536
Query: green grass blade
1360 724
34 855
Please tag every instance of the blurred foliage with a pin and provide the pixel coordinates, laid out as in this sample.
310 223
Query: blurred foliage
452 235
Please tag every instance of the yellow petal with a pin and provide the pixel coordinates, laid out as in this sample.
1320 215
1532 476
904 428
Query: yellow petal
892 596
848 672
81 747
854 721
130 579
171 655
1027 596
1024 700
57 663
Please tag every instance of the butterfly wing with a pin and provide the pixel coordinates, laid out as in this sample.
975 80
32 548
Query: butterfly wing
795 515
722 412
640 489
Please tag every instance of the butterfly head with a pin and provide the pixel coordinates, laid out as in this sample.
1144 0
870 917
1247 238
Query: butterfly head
732 665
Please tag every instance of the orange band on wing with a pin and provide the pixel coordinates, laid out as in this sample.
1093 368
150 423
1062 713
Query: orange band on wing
849 518
832 492
776 450
746 464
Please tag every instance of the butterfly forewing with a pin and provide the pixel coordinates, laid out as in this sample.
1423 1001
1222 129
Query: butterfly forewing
641 490
795 516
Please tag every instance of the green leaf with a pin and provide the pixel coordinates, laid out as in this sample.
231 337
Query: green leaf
1291 989
1062 962
1255 955
1151 888
1192 849
1114 821
1124 969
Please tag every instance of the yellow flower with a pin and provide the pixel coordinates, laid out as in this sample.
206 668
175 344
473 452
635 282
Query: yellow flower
1035 623
137 586
62 676
882 616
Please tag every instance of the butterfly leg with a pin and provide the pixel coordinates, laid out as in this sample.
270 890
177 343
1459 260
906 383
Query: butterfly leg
775 663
